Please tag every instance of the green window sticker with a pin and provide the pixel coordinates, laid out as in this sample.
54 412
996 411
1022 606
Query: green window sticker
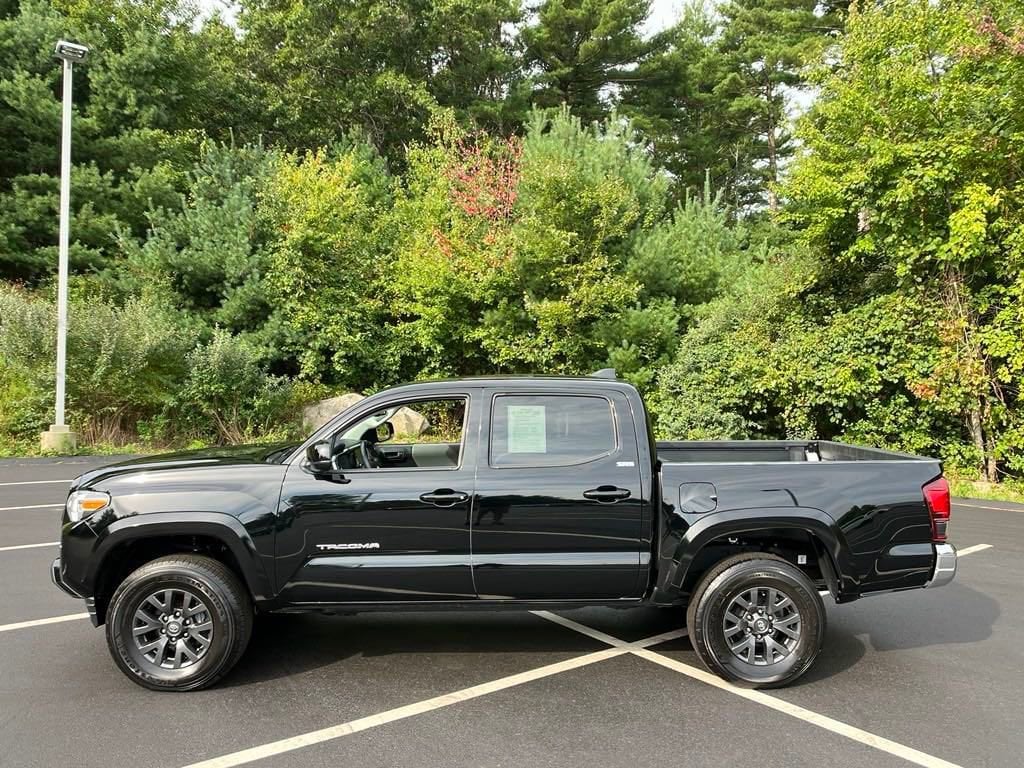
527 429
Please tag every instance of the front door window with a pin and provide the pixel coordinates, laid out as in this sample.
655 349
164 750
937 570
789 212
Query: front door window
419 434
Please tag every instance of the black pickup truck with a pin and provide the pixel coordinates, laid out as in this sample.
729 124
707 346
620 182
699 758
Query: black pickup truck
496 493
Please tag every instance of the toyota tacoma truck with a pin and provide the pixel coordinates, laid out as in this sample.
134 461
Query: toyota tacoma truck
498 493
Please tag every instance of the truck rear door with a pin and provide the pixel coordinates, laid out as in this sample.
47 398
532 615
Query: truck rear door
559 502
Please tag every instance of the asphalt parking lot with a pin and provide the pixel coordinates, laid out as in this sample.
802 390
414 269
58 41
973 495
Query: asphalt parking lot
932 677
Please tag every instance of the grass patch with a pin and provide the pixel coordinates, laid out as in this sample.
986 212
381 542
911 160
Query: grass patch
1008 490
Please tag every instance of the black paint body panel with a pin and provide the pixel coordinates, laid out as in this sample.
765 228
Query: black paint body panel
523 535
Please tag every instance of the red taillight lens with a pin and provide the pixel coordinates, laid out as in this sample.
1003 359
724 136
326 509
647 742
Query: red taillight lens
936 496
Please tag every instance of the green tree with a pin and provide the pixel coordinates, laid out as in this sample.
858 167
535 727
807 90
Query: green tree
558 253
156 83
331 68
579 50
766 44
901 324
679 100
210 255
328 264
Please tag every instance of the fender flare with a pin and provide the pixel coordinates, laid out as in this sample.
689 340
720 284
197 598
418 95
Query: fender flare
225 528
738 521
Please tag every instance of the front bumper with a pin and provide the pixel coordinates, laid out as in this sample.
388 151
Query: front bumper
58 579
945 566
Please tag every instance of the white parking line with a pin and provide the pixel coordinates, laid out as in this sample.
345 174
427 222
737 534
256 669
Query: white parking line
400 713
822 721
971 550
759 697
37 482
41 622
30 546
981 506
428 705
31 506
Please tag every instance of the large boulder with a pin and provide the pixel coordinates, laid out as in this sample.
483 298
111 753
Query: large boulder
317 414
407 422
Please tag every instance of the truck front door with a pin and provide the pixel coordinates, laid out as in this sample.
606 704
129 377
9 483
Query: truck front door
392 525
559 505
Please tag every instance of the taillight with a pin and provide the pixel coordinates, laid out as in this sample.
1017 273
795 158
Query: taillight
936 496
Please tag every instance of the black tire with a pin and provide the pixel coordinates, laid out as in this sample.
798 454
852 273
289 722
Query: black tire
224 614
712 613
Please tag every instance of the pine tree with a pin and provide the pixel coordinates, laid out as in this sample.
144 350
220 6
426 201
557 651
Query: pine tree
676 104
766 44
579 51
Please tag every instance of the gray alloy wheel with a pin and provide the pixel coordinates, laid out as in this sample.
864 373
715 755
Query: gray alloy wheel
172 629
179 623
756 619
762 626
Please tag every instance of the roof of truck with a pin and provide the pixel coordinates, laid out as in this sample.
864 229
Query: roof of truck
517 380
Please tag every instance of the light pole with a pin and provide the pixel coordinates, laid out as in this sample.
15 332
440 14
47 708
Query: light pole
60 437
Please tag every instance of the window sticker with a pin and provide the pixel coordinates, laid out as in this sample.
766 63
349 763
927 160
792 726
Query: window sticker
527 429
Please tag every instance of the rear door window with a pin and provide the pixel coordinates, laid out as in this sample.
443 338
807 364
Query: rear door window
550 430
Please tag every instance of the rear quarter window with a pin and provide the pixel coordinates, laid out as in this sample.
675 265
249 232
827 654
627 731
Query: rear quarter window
550 430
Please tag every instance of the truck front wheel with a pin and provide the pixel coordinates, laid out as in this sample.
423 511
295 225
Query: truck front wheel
757 620
179 623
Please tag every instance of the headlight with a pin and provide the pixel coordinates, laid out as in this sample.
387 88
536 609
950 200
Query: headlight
81 504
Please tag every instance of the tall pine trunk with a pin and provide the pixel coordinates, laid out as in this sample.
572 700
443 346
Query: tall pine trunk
773 152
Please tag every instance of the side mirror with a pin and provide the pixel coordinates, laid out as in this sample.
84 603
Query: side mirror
385 432
318 458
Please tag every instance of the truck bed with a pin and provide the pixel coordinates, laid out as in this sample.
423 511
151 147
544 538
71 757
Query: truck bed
750 451
869 503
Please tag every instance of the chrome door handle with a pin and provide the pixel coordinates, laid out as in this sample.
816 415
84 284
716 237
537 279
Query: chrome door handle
607 494
444 497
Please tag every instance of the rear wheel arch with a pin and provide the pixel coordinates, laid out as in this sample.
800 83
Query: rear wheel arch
766 531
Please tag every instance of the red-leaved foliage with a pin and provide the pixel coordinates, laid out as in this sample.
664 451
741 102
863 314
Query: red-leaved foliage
485 177
995 40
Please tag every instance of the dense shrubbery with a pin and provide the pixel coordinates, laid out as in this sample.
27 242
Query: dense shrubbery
249 238
556 252
903 323
134 371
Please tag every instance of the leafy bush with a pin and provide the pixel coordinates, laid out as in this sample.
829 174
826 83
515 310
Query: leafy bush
122 362
133 371
767 362
327 261
227 393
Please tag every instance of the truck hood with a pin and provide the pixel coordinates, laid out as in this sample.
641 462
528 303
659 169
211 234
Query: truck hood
224 456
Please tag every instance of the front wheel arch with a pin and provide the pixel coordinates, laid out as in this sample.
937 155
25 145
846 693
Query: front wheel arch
125 548
162 651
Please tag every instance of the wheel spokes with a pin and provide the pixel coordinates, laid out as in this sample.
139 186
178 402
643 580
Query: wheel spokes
180 643
761 625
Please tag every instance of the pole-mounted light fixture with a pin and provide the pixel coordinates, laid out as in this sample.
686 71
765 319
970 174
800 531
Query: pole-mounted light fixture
70 51
60 438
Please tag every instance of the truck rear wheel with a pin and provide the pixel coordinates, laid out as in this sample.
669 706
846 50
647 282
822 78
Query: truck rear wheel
757 620
179 623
